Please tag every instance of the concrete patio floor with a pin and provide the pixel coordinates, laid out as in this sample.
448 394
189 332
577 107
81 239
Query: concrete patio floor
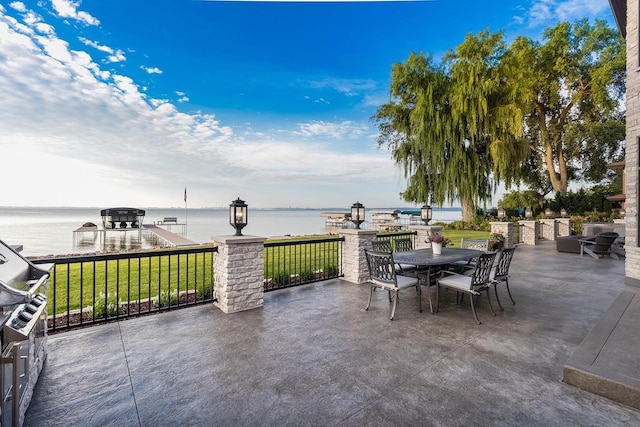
313 356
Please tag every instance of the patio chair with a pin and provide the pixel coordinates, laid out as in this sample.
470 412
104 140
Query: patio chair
382 245
473 285
383 275
403 245
477 244
500 273
601 245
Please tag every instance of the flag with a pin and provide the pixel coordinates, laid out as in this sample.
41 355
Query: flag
185 194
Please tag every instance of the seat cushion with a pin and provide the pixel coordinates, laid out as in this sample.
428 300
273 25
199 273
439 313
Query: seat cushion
406 282
456 281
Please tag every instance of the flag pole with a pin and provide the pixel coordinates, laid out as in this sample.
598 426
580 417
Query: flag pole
185 212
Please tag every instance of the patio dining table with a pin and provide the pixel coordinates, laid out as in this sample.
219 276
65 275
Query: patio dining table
425 258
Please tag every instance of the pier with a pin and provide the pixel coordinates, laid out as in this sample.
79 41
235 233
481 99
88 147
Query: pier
162 237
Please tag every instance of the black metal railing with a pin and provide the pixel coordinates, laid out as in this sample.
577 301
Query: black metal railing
297 262
85 290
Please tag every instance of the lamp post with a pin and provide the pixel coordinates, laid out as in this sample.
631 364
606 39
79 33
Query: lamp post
357 214
238 215
548 212
622 212
528 213
501 214
426 214
563 212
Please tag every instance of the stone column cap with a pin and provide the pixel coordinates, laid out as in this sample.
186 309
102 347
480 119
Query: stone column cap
357 231
231 239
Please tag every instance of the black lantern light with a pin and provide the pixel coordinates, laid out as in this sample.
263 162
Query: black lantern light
238 215
622 212
563 212
501 213
426 214
357 214
548 212
528 213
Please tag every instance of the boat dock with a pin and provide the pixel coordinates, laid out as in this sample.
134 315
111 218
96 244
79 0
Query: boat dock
165 237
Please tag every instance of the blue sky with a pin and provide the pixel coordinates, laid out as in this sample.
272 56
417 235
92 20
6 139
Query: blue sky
119 103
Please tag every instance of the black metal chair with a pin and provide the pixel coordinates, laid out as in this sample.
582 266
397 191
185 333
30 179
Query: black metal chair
601 245
382 273
473 285
403 244
500 274
382 245
477 244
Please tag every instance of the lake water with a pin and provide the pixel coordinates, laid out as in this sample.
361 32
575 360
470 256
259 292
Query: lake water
49 231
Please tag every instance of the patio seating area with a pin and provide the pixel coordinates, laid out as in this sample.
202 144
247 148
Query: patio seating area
313 356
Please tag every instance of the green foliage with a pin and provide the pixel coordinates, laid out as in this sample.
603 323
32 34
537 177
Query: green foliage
491 113
167 299
105 307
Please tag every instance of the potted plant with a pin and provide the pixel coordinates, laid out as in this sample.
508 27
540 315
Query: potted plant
496 241
438 242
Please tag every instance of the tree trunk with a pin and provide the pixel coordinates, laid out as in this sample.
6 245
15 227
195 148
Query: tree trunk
468 210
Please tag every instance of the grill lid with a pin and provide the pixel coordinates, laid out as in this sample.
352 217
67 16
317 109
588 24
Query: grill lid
20 279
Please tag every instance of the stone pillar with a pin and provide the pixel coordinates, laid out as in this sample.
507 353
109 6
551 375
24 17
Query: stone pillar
354 261
564 227
507 229
530 231
423 232
239 272
549 229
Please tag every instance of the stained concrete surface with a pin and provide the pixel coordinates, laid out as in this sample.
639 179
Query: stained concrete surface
313 356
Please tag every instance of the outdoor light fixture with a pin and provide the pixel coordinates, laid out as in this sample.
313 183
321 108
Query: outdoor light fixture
238 215
547 213
426 214
528 213
563 212
622 213
501 213
357 214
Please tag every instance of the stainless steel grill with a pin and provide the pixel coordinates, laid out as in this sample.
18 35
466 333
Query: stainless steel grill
23 333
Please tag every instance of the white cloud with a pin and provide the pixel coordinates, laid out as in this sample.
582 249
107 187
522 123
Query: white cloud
18 5
67 9
152 70
349 87
544 11
76 122
345 129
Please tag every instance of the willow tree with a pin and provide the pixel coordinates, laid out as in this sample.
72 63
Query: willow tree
574 84
454 128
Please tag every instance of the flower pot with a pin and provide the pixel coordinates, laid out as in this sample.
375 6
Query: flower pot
437 248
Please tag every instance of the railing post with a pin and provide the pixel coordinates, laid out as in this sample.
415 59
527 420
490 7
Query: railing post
239 272
354 261
423 232
506 229
530 232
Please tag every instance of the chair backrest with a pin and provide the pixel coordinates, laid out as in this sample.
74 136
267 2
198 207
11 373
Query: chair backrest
477 244
481 273
382 245
502 266
381 268
603 242
403 244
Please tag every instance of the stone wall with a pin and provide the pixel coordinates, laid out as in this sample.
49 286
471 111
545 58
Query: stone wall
506 229
549 229
239 272
632 159
424 232
530 231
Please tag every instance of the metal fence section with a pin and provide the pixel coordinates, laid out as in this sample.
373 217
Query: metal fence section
297 262
85 290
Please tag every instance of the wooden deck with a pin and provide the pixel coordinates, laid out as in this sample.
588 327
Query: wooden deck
170 238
